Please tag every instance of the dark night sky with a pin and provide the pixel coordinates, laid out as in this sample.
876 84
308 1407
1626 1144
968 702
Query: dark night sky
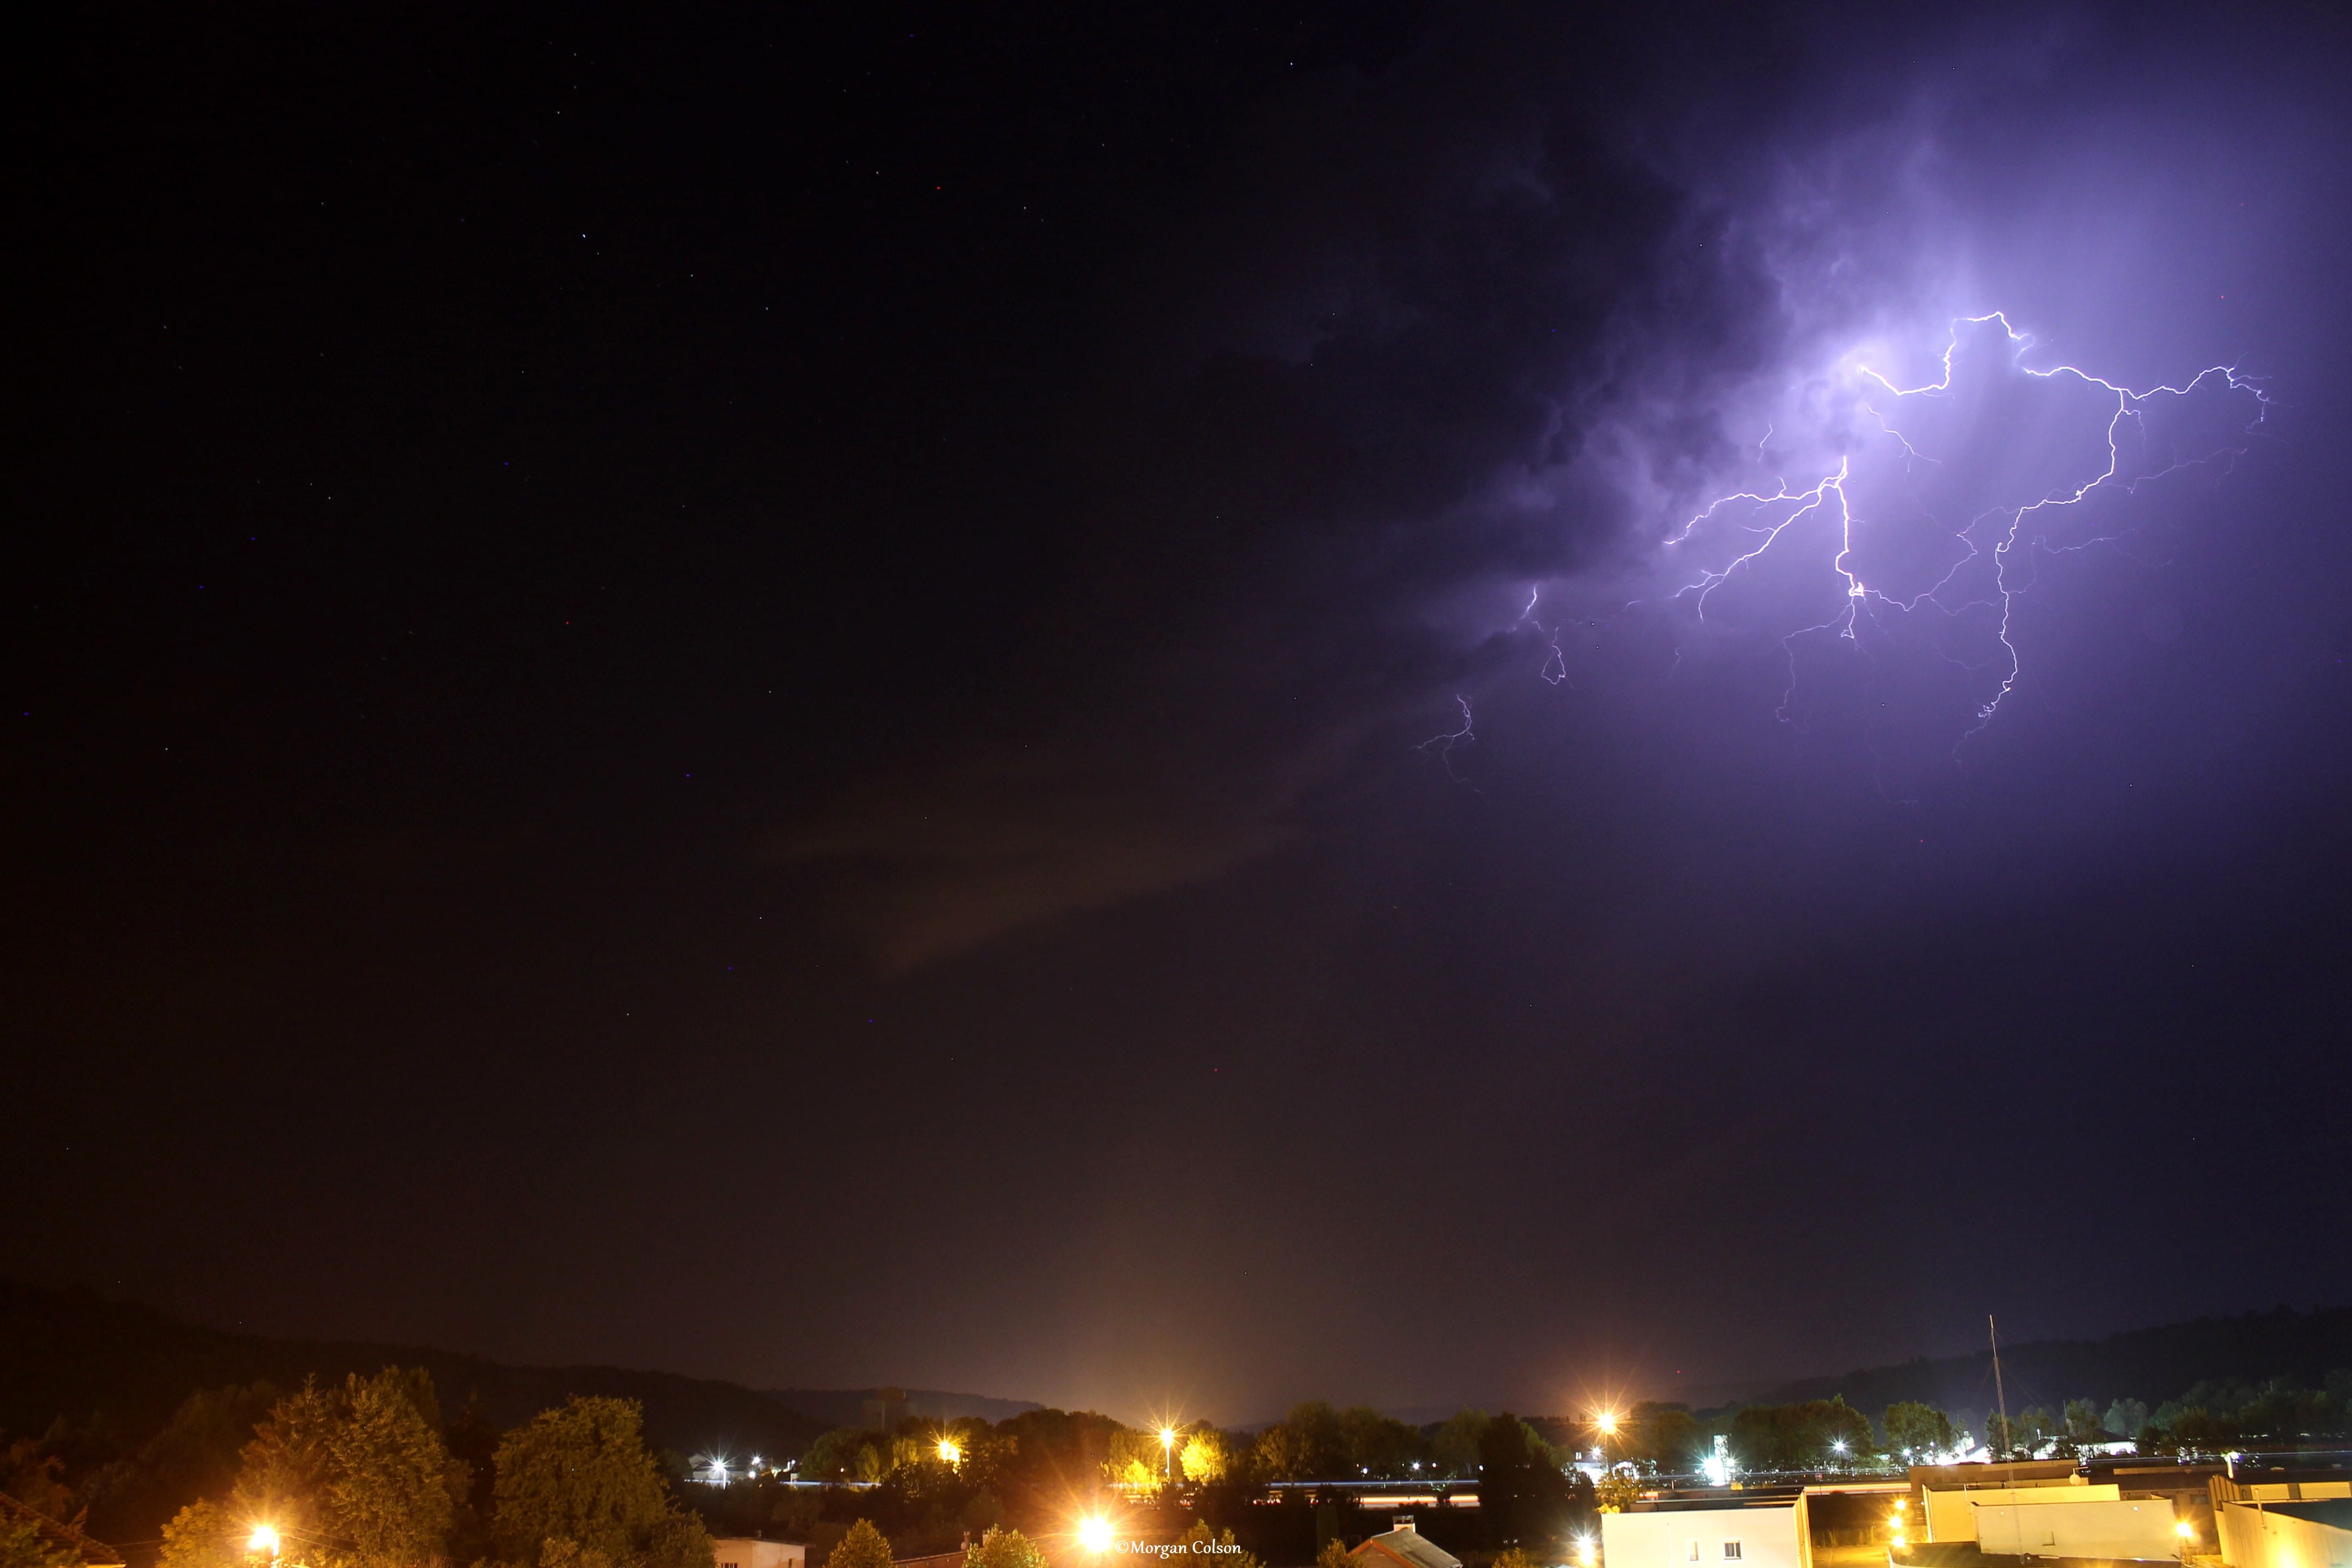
729 693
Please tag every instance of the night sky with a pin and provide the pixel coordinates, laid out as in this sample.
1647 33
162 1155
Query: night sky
1016 697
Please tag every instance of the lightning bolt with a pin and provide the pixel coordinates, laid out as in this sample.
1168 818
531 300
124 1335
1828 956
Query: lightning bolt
1444 744
2018 535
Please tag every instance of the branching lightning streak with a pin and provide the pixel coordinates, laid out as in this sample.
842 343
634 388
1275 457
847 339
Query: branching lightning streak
2012 528
1555 666
1446 743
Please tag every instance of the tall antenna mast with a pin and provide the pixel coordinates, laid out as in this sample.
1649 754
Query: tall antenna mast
1993 1332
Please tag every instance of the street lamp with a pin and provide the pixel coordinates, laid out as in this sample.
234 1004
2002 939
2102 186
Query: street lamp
263 1539
1094 1533
1168 1448
950 1454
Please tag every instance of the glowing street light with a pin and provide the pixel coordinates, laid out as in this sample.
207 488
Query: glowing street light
950 1454
1607 1422
1584 1551
1168 1448
1094 1533
263 1539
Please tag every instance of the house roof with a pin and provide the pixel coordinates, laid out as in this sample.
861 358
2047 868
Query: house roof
95 1554
2333 1511
1404 1548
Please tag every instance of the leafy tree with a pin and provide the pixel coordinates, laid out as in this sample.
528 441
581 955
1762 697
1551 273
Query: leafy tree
1135 1460
2082 1420
195 1454
1616 1493
845 1455
2127 1418
202 1535
1334 1555
982 1513
1453 1448
1307 1445
579 1474
1513 1557
1377 1446
391 1485
35 1479
678 1539
1003 1548
1797 1437
1665 1435
1198 1542
1523 1491
1203 1458
355 1476
1915 1431
863 1547
23 1544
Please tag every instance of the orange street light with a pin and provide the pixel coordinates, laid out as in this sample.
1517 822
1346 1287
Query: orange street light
1094 1533
263 1539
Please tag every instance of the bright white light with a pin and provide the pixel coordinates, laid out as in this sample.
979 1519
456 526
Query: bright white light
1094 1533
263 1539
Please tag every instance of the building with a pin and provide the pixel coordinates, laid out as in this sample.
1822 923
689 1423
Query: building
1677 1532
2108 1529
747 1551
93 1553
1402 1546
2313 1533
1952 1515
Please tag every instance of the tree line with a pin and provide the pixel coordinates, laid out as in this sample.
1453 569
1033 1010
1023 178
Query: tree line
928 1483
367 1474
1828 1434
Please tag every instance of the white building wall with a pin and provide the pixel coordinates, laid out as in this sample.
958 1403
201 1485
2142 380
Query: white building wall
2260 1538
1950 1515
743 1551
1733 1536
2084 1528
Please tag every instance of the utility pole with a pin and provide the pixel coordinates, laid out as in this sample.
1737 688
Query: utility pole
1994 1332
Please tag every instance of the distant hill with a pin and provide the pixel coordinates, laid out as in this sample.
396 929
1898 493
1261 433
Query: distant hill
861 1406
2152 1364
77 1355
